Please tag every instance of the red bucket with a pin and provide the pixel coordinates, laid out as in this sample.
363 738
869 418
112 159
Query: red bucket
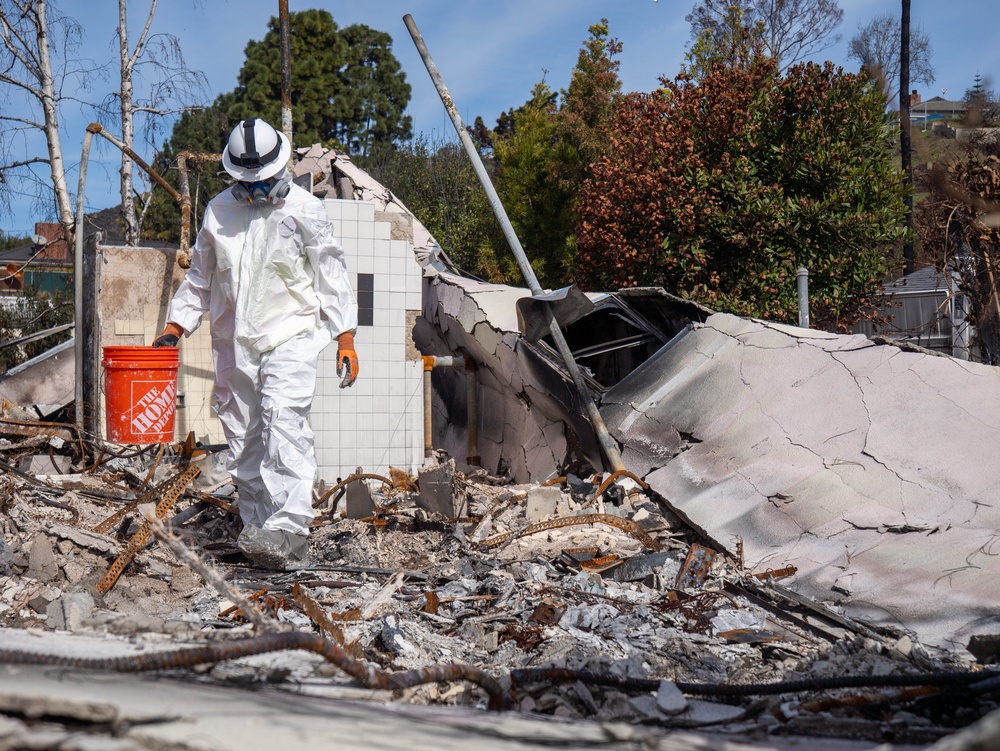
140 385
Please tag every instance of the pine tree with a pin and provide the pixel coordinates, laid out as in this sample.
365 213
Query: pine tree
347 87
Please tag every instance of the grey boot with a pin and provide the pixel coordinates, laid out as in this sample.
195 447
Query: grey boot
274 548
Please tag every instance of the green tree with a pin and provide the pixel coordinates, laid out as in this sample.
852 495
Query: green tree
481 136
379 92
200 132
719 190
535 204
347 87
546 152
437 183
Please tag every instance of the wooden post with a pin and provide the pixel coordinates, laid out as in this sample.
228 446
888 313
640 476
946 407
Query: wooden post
88 330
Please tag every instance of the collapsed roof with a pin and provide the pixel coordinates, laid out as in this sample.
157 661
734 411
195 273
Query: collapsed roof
868 467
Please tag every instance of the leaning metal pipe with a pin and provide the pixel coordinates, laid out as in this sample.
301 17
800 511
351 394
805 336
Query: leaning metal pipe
603 436
99 130
428 425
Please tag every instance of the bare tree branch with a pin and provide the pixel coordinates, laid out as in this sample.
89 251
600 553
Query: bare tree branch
37 93
29 123
36 57
140 46
176 111
876 47
793 30
22 50
176 84
26 162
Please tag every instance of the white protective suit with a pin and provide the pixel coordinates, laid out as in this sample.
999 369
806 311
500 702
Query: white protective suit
274 281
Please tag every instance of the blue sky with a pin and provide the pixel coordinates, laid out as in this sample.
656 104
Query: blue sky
490 52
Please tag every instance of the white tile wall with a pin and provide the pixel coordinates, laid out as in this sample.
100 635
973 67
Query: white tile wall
378 422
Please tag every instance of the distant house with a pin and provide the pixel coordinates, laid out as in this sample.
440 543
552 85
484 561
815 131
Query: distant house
45 265
927 310
926 113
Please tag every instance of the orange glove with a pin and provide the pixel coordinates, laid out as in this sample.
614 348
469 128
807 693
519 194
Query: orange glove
347 359
170 337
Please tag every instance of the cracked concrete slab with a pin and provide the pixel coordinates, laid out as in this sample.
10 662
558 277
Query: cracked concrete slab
161 712
869 468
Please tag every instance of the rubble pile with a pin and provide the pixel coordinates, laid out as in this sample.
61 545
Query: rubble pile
586 598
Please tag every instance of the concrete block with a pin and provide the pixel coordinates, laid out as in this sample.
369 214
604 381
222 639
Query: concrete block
360 504
69 611
43 464
437 490
77 607
42 563
669 698
542 503
54 618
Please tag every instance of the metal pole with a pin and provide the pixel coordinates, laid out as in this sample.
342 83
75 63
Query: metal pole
802 280
286 69
428 425
78 335
905 145
603 436
187 207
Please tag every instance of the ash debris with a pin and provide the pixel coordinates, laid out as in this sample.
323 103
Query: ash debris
583 598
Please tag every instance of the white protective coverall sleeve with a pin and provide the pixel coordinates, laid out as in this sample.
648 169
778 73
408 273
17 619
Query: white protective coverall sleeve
194 296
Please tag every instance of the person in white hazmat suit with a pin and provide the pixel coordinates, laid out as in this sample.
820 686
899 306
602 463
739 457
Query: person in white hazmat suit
269 271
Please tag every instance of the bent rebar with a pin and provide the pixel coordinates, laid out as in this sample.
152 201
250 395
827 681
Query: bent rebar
363 673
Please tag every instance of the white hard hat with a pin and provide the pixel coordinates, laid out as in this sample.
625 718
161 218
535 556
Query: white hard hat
256 151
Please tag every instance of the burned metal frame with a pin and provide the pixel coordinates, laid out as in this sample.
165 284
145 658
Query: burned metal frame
591 326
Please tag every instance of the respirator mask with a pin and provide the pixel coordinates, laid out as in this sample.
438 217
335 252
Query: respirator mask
263 192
